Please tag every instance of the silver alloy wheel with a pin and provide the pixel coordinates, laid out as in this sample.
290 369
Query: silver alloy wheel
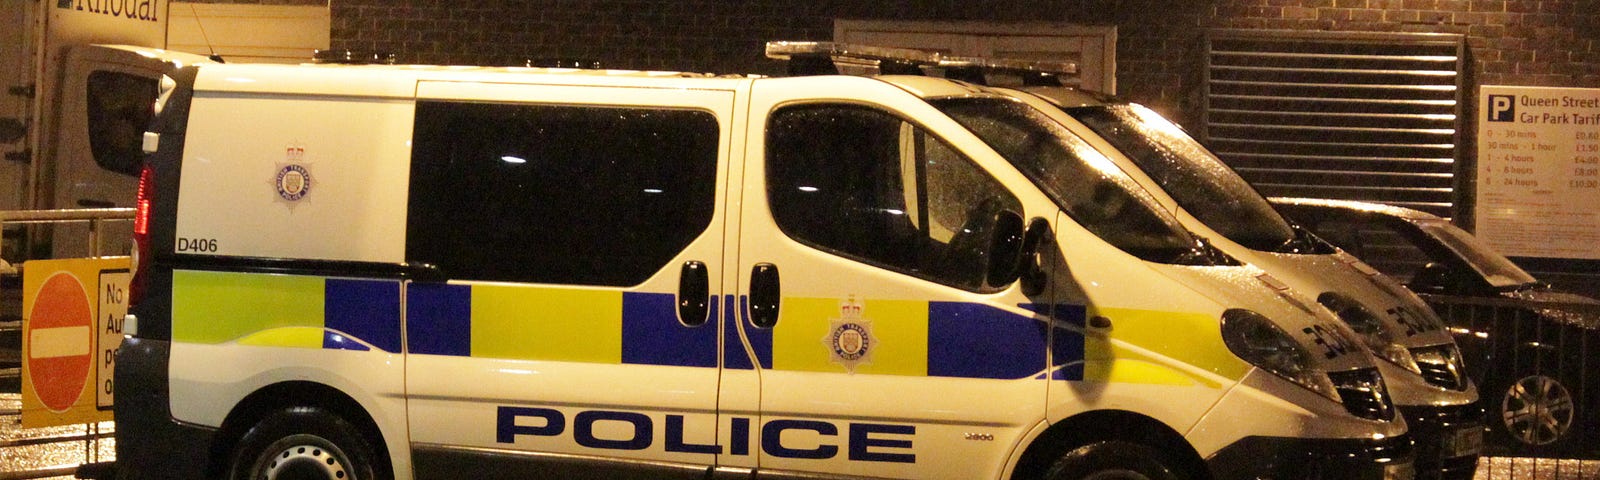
1537 410
304 457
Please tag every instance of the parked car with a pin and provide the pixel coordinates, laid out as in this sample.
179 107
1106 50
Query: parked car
1528 345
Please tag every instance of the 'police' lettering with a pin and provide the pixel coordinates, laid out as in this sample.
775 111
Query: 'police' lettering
506 428
583 430
861 440
675 439
865 442
740 432
772 439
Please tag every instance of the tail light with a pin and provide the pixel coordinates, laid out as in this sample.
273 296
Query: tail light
141 234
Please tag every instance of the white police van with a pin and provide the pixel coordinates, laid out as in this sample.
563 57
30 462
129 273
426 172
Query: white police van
379 272
1422 365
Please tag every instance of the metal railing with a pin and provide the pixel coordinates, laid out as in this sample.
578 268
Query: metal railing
91 436
96 218
1533 363
90 453
62 451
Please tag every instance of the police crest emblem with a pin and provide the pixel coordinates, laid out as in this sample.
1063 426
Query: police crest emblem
849 339
293 178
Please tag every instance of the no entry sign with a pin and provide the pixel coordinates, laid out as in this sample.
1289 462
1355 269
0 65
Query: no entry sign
67 307
59 340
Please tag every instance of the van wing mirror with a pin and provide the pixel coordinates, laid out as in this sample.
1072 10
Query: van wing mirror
1005 248
1034 278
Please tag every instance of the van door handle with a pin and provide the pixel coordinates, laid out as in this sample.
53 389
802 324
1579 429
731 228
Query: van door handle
764 295
425 272
694 291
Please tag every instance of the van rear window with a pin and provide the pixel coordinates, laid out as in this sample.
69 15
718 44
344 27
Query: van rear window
558 194
120 106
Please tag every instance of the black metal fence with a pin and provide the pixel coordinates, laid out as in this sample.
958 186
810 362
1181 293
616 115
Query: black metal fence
1533 362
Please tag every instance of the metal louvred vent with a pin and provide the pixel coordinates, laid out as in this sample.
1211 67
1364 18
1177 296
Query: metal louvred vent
1374 117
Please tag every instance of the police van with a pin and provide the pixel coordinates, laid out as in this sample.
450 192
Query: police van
1421 362
393 272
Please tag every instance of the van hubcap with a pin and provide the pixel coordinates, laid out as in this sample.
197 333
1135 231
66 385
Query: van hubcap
303 461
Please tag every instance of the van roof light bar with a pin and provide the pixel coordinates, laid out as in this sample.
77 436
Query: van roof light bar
1033 72
352 57
824 58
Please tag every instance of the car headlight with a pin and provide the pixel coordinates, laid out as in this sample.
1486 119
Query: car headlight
1373 332
1257 340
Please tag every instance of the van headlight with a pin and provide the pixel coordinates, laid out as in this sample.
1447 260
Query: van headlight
1259 341
1373 332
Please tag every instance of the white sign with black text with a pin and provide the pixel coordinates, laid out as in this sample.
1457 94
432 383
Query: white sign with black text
1539 171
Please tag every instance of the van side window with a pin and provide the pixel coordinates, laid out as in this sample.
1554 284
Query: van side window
558 194
120 106
866 185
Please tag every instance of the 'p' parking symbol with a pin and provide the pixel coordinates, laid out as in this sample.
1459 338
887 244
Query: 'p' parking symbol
1502 108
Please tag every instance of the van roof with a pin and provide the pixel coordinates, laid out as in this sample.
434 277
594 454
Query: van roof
387 80
401 80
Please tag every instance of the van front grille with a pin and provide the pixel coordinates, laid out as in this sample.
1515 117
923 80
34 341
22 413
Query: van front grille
1363 393
1440 366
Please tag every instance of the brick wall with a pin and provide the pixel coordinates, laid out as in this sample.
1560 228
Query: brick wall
1524 42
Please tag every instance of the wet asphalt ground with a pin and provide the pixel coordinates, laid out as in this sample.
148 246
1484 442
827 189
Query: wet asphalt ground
1501 468
16 461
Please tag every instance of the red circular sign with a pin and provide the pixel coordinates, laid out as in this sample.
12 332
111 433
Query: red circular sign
60 341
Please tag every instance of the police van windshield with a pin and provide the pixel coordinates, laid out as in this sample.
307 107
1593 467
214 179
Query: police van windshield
1082 181
1195 178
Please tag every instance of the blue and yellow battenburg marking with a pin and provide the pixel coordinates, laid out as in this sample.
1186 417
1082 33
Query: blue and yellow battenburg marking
285 311
906 337
597 326
555 324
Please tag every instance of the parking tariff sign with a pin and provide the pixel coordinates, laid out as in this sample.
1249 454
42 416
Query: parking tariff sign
1538 175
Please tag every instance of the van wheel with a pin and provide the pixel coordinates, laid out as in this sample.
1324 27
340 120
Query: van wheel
1112 460
303 443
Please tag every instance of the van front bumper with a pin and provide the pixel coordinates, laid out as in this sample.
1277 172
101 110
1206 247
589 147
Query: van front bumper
1448 440
1278 458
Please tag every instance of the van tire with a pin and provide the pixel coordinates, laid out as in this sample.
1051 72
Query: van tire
1112 460
303 442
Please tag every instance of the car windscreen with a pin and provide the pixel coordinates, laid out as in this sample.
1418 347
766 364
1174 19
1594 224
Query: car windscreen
1495 268
1195 178
1083 182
